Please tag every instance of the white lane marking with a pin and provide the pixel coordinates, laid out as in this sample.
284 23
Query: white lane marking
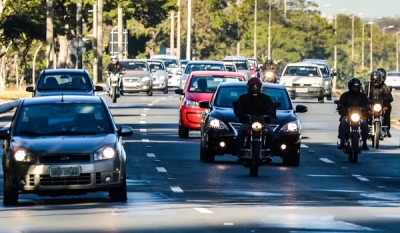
142 122
203 210
143 130
170 96
145 140
303 146
7 126
143 115
151 155
228 224
161 169
163 98
388 215
176 189
143 118
327 175
150 104
326 160
156 101
360 177
146 109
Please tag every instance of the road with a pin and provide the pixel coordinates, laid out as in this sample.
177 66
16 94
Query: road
170 190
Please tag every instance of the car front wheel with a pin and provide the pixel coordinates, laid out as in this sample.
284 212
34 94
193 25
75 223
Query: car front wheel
10 193
119 194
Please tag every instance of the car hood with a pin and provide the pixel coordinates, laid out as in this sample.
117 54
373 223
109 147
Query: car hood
59 93
227 115
64 144
130 73
197 97
160 73
300 79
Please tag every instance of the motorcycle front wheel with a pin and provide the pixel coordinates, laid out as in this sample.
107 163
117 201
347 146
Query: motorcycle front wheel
377 135
255 158
114 94
355 147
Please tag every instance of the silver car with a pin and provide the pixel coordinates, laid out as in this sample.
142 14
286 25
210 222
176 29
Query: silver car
201 65
159 75
241 63
138 77
173 67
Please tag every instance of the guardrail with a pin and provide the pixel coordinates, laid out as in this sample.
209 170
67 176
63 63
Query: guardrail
9 105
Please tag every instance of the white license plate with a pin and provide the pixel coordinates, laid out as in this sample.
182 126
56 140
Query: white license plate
302 90
65 171
131 84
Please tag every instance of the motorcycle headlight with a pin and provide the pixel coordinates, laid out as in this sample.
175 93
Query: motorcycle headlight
103 153
191 104
269 74
355 117
217 124
256 126
23 155
377 107
144 79
293 126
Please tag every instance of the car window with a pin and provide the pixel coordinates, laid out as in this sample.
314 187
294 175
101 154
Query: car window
64 81
230 68
240 64
204 67
135 65
324 69
63 119
396 74
302 71
208 84
226 95
170 63
156 65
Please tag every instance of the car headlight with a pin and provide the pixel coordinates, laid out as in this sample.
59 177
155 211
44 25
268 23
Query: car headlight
256 126
293 126
217 124
191 104
144 79
287 84
316 85
355 117
377 107
269 74
23 155
103 153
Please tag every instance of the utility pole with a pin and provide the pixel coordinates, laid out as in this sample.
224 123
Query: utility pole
120 33
79 32
335 54
362 46
255 29
172 34
189 33
49 34
269 29
352 46
178 32
284 8
371 50
100 40
95 60
397 51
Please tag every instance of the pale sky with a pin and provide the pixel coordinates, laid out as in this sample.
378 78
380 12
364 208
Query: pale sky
370 8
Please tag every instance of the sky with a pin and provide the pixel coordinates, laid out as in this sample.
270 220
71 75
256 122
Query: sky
369 8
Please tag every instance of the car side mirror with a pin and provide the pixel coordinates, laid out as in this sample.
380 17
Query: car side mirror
98 88
179 91
336 102
153 70
179 72
334 74
4 134
125 131
277 105
301 109
30 89
204 104
183 66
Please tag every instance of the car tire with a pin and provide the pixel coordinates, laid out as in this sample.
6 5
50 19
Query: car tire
329 97
183 132
119 194
10 193
150 92
321 100
165 91
292 159
206 156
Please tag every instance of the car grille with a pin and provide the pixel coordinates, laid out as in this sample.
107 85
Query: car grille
47 180
301 85
64 158
236 126
132 80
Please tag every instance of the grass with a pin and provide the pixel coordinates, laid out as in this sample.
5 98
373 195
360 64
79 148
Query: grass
9 95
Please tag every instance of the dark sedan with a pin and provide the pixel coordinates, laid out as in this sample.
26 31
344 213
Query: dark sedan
219 125
63 145
64 81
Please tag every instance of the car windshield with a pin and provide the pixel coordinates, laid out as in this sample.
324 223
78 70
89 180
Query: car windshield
59 119
240 64
226 95
171 63
135 65
156 65
204 67
64 81
230 68
308 71
208 84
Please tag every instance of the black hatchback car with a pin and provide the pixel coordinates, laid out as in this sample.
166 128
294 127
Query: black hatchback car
64 81
220 125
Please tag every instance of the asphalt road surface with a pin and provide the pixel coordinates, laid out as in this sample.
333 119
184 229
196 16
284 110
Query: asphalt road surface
170 190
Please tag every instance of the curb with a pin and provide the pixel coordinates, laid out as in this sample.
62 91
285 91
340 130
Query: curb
9 105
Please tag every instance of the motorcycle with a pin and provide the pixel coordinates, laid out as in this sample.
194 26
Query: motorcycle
115 81
269 76
376 131
353 143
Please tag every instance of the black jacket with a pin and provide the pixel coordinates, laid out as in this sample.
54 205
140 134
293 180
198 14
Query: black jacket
381 93
269 66
254 105
115 68
357 100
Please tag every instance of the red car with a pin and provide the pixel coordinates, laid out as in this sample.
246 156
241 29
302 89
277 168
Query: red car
200 86
254 66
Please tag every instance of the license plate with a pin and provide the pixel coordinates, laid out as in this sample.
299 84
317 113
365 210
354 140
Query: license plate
131 84
65 171
302 90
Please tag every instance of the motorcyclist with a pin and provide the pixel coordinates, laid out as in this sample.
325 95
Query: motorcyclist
115 67
379 90
269 65
254 102
353 98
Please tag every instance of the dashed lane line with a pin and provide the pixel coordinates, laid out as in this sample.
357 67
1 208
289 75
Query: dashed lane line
151 155
142 122
176 189
161 169
146 109
170 96
143 130
143 115
326 160
163 98
360 177
145 140
228 224
150 104
303 146
203 210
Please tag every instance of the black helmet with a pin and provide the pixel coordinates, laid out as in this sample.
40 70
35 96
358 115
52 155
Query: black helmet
354 85
383 71
376 78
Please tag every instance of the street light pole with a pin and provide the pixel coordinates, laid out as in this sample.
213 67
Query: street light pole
255 29
352 46
189 27
371 48
397 51
172 34
178 32
362 46
269 29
